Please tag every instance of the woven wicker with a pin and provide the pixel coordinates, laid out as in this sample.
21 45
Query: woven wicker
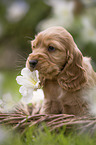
21 119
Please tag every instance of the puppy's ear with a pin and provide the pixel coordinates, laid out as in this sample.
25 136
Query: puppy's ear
73 76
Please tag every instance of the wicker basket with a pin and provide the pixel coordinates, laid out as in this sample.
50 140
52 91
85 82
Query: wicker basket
21 118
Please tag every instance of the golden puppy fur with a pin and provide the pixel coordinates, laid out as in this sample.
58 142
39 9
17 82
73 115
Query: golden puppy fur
66 75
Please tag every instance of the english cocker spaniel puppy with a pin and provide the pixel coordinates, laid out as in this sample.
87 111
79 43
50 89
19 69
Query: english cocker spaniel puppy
67 77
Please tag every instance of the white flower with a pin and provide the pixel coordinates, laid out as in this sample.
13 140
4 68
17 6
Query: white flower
30 82
28 79
38 96
17 10
7 103
88 32
62 14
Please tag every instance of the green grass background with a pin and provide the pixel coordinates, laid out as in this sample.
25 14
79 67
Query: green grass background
10 85
35 136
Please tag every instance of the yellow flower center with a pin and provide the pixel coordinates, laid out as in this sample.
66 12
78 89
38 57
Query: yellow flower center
33 82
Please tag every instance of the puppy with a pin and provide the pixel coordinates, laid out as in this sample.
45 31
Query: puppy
66 75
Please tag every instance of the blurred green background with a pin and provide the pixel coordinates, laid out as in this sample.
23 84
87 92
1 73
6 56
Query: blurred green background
20 20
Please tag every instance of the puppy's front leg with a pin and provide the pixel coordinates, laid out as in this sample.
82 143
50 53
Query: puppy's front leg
50 107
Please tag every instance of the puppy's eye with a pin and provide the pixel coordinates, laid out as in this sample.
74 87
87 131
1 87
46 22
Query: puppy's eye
33 46
51 48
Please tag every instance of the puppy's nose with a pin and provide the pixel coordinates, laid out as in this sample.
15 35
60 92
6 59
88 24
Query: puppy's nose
33 63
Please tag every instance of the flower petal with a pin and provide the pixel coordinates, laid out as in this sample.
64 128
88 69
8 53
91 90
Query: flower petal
25 72
35 75
27 99
37 85
26 91
7 98
23 90
25 82
30 75
38 96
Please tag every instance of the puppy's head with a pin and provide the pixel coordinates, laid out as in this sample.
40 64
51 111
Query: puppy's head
56 56
48 53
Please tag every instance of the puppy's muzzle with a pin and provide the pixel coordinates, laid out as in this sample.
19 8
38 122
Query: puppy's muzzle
33 63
